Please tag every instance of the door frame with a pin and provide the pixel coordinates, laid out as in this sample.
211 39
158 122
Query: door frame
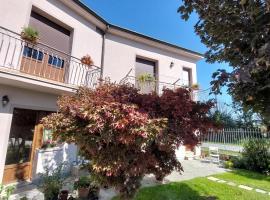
37 141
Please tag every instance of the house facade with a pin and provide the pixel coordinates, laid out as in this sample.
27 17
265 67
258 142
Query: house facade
34 75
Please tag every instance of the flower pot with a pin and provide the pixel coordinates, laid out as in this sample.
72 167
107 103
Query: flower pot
87 60
29 39
83 192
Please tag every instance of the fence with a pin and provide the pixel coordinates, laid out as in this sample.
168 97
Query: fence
232 136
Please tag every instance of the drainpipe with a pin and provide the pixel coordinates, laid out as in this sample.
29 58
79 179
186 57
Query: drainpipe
103 50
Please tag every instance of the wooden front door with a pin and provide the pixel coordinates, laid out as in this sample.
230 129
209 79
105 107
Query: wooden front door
25 137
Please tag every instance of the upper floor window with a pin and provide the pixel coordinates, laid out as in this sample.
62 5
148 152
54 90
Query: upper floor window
148 69
187 77
33 53
51 32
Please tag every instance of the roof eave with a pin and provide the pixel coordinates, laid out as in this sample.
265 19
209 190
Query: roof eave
195 55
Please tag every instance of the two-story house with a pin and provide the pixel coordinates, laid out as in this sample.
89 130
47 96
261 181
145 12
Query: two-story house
32 76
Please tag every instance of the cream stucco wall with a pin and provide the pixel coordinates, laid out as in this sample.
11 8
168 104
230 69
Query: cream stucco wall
121 53
19 98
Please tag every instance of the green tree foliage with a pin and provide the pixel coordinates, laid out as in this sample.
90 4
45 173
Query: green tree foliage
223 119
238 33
127 135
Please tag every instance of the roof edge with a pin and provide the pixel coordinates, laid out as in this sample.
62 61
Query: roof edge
106 23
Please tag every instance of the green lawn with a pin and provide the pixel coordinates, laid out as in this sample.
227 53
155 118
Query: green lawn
204 189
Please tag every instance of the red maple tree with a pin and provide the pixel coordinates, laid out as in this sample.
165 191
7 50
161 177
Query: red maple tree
127 135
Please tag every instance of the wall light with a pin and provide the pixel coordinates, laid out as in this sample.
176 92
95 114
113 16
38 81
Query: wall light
172 64
5 100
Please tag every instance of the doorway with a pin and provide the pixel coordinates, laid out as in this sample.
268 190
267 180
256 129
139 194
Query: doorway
25 136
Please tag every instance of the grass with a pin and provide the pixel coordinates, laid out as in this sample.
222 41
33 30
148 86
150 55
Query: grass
204 189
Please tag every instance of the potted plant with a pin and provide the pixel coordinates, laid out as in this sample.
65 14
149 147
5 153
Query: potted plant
87 60
195 86
146 78
82 185
93 191
51 190
52 182
30 34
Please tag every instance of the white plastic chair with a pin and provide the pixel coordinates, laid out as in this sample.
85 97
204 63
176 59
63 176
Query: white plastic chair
214 154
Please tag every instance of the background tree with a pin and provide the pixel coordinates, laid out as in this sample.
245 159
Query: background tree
238 33
246 118
234 116
127 135
223 119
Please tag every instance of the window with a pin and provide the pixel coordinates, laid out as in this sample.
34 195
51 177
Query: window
51 33
145 67
56 62
187 80
33 53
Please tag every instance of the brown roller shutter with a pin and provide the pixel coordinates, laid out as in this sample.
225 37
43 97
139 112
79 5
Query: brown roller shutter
51 33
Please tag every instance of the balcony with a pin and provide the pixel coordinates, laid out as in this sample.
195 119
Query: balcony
42 63
157 86
150 86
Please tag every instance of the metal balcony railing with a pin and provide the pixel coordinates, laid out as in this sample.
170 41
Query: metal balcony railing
149 86
157 86
42 61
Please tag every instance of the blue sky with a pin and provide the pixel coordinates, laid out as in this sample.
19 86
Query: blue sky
158 19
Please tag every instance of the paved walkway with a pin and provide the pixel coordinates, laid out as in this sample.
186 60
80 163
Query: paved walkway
192 169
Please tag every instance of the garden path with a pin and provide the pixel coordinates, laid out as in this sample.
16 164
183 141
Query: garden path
192 169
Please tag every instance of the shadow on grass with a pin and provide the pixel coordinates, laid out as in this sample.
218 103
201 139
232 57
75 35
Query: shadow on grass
172 191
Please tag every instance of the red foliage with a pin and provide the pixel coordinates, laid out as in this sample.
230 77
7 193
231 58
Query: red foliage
126 134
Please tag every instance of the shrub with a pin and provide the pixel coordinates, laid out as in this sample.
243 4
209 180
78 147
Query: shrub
256 155
52 182
228 164
83 182
127 135
238 162
6 191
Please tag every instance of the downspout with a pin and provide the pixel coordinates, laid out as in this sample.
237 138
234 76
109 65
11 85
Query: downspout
103 51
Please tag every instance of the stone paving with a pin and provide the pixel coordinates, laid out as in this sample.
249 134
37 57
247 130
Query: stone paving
244 187
192 169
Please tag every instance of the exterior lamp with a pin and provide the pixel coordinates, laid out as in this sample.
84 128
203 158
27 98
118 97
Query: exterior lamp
172 64
5 100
